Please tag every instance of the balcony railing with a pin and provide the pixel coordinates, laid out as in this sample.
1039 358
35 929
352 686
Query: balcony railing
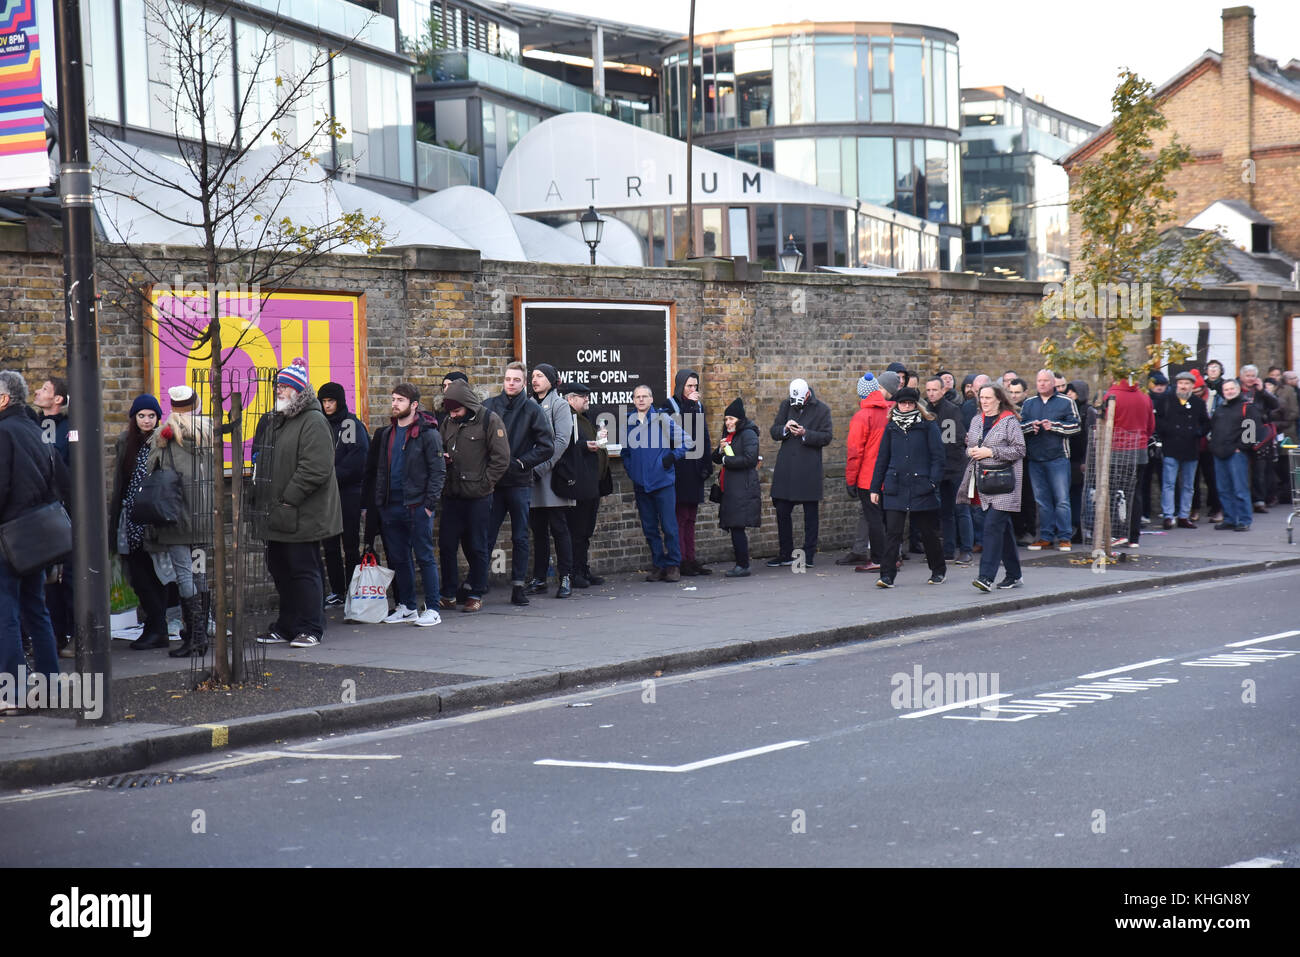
438 167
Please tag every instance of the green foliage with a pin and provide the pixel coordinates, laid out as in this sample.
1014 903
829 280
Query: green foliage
1121 203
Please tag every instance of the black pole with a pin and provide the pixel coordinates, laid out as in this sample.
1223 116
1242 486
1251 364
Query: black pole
90 569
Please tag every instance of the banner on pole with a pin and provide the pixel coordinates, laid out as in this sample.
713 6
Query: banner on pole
24 163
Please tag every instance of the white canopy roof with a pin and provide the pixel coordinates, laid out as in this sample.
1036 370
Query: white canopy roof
574 160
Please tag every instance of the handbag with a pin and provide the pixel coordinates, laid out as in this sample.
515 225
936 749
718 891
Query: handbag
715 493
37 538
568 477
161 499
367 599
994 479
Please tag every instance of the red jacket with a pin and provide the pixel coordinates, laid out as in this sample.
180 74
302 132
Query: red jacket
865 432
1135 416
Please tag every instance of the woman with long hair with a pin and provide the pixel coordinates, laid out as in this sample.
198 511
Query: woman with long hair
995 440
130 538
182 443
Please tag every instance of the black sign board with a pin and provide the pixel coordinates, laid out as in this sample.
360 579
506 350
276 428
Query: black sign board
611 347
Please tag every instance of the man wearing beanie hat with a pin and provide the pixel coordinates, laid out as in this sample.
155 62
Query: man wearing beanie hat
866 429
547 514
351 449
296 504
1181 422
803 427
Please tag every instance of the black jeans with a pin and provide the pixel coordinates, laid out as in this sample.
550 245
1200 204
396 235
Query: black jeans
785 527
464 525
1025 522
740 545
551 523
295 569
343 552
151 592
514 500
875 517
927 525
582 525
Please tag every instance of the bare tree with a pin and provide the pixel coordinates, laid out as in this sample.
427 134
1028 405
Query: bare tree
248 189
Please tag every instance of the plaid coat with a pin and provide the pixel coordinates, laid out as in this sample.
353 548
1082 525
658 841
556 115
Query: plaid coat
1008 444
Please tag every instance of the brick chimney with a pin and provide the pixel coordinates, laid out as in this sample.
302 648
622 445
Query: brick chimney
1235 105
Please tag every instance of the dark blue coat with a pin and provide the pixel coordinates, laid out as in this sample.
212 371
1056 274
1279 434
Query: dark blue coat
909 468
741 500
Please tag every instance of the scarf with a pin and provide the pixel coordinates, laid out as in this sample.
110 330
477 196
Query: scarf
904 420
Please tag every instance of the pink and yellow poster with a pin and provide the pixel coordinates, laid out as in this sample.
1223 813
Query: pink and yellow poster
24 163
258 332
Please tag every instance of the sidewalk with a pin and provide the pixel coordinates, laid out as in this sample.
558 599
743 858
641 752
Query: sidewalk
624 629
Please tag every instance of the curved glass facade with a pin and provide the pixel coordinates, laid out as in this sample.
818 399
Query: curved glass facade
797 100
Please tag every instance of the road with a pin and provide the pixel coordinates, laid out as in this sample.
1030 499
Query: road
1121 737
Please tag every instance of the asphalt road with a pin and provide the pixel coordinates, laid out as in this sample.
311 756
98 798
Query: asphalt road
1122 737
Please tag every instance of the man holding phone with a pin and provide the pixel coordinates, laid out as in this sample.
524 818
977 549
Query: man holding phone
1048 420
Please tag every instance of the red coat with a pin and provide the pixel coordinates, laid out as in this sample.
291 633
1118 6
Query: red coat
865 432
1135 416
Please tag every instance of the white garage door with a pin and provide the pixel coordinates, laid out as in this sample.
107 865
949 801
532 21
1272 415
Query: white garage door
1209 337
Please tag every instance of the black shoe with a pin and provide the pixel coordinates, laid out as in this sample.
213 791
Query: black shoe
936 580
1260 509
334 600
983 584
196 629
1225 526
579 580
1009 582
518 595
809 561
536 587
564 591
884 583
740 571
779 562
689 569
149 642
597 580
852 558
1241 528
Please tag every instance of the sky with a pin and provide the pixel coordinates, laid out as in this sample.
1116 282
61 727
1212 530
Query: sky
1069 53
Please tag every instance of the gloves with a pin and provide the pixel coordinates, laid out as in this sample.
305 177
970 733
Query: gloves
668 460
852 490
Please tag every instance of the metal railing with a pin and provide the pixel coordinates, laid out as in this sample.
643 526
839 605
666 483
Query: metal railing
437 167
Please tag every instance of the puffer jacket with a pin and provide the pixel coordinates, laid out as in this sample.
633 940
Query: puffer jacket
866 429
694 470
189 453
476 446
297 495
741 498
1007 442
909 467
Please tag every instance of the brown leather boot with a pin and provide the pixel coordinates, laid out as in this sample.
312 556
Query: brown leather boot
672 574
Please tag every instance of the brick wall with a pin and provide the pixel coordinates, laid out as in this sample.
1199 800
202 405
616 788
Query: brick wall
429 311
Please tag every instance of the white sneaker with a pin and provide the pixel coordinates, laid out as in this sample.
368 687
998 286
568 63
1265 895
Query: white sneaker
402 613
428 617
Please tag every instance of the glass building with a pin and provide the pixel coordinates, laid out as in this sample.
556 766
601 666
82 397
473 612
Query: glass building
863 109
1015 213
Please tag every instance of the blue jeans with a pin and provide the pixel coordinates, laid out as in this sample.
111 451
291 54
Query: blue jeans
407 529
965 522
1051 482
1182 474
1233 476
658 509
22 609
516 501
999 545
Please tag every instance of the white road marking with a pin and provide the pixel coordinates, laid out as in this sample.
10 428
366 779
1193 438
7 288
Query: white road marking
1126 668
245 758
1257 862
672 768
949 707
38 795
1256 641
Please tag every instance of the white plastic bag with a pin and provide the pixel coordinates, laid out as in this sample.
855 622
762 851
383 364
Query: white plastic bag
368 593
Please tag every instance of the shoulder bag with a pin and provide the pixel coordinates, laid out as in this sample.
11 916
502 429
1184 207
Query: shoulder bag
37 538
161 499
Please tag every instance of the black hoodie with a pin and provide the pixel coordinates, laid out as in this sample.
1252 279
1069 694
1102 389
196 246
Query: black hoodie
351 442
691 472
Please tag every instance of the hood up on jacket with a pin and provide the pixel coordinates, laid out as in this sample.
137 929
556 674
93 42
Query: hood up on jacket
332 390
461 392
679 383
1080 389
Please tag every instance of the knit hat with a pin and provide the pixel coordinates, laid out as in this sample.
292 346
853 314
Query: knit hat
454 375
799 392
736 409
896 367
907 395
867 385
1158 378
143 402
182 398
294 374
548 370
1198 379
889 382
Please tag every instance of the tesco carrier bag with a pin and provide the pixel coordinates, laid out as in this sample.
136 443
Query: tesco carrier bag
368 593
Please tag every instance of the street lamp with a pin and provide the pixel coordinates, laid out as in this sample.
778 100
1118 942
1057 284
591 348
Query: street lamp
593 227
791 258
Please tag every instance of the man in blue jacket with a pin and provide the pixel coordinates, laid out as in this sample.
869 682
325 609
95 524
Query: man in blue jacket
653 447
1048 420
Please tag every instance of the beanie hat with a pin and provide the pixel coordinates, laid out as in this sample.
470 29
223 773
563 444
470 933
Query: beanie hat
182 398
907 395
889 382
294 374
407 391
143 402
332 390
896 367
1158 378
552 376
736 408
867 385
1198 379
454 375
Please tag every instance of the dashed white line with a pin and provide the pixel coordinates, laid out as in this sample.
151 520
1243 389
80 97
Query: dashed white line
672 768
1256 641
1257 862
969 702
1126 668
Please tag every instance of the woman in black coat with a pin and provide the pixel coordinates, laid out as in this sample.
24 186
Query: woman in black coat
692 471
737 453
909 468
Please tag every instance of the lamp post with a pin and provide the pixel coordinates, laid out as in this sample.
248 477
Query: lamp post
791 258
593 228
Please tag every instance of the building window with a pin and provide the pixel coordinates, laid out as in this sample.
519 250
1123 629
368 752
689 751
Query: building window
876 170
909 89
835 64
753 70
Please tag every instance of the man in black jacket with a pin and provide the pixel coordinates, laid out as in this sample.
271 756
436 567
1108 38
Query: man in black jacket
531 444
947 415
590 482
803 427
1234 430
405 472
31 475
1181 420
351 452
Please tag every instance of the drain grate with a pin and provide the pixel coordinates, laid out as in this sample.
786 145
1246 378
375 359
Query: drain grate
136 781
